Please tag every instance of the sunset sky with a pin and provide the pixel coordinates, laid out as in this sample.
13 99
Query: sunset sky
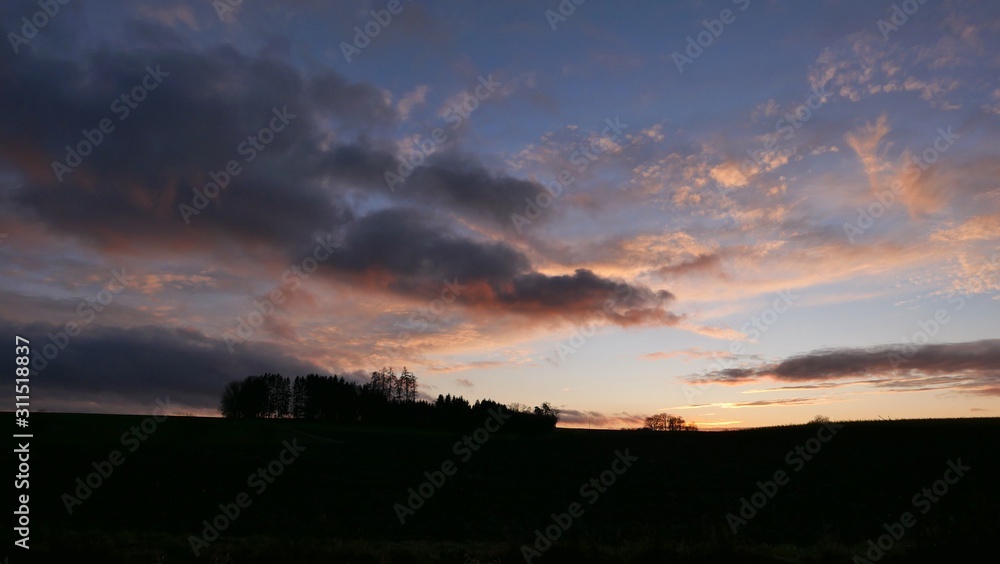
743 212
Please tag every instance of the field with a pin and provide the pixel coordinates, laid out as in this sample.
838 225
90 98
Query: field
675 497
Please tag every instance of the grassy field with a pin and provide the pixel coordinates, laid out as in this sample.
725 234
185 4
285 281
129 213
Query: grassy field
334 500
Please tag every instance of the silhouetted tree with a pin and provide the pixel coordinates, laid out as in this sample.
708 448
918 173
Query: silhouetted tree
299 398
667 422
547 411
408 384
267 395
386 399
230 404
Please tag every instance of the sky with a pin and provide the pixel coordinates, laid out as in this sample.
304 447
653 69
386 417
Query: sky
743 212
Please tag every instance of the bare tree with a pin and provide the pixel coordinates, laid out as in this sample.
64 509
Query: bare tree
667 422
408 383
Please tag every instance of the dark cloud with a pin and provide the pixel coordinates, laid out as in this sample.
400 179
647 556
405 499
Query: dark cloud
400 250
419 255
141 363
459 183
127 193
586 293
971 366
356 103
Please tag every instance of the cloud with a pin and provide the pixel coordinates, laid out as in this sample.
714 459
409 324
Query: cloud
463 366
970 367
978 228
416 98
295 188
138 364
759 403
359 103
598 419
397 250
729 175
694 353
702 264
459 183
867 142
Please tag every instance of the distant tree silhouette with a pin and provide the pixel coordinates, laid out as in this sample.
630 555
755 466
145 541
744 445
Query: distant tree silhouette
299 398
264 396
547 411
408 383
230 404
518 407
385 399
278 396
667 422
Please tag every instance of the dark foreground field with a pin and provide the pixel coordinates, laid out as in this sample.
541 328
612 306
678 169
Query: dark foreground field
334 501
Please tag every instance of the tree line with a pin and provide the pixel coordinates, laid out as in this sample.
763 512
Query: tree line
667 422
387 398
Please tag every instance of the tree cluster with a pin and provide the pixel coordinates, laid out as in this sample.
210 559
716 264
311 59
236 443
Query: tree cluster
257 397
388 399
667 422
